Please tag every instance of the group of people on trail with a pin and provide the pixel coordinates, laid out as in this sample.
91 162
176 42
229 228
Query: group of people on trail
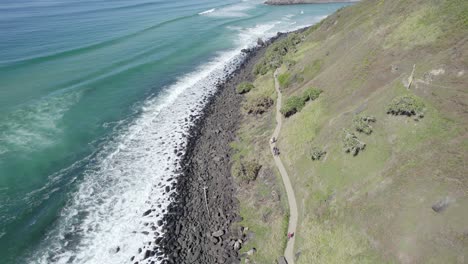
290 235
276 151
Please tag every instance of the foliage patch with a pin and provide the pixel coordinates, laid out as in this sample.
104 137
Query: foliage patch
317 153
351 143
258 105
293 105
408 105
362 123
246 170
244 87
286 79
274 55
311 94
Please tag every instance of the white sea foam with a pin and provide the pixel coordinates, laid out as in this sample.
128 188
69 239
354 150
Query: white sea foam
106 211
35 126
131 173
288 17
207 11
103 221
236 10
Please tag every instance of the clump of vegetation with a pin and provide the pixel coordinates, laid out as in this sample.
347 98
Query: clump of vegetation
286 79
351 143
244 87
246 171
311 94
362 123
289 63
317 153
273 57
258 105
408 105
293 105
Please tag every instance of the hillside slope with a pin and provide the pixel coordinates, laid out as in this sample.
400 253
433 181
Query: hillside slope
404 197
296 2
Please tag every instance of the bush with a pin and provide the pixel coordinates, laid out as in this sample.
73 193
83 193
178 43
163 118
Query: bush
293 105
408 105
351 143
289 63
258 105
284 79
244 87
273 57
317 153
261 68
246 171
362 124
311 94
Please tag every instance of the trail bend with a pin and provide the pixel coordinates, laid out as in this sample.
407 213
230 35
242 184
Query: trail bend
293 214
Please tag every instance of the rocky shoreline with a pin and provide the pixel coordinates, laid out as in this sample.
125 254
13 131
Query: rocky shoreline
198 226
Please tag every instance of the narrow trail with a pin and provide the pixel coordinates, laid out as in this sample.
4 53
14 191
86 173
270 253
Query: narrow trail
289 252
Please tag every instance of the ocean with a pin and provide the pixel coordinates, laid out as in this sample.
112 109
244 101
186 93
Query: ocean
94 97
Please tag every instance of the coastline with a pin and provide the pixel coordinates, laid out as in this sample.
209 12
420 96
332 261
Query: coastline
195 230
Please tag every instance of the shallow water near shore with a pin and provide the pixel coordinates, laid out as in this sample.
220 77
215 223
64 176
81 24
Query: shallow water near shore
96 98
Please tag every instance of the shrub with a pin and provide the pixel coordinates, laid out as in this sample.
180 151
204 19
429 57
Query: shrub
311 94
293 105
246 171
284 79
351 143
295 38
258 105
273 57
408 105
362 124
317 153
289 63
261 67
244 87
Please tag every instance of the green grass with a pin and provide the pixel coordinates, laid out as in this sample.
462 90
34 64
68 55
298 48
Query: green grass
374 207
269 238
244 87
313 69
311 94
284 79
292 105
263 214
302 129
334 245
275 54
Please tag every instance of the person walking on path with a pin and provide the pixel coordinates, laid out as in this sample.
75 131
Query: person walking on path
293 215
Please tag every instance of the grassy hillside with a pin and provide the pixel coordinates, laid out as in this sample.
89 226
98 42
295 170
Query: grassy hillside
404 197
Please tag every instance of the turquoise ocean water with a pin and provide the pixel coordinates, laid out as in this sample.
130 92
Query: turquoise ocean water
94 96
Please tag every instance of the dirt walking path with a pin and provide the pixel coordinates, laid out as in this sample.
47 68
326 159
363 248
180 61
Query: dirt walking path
289 252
